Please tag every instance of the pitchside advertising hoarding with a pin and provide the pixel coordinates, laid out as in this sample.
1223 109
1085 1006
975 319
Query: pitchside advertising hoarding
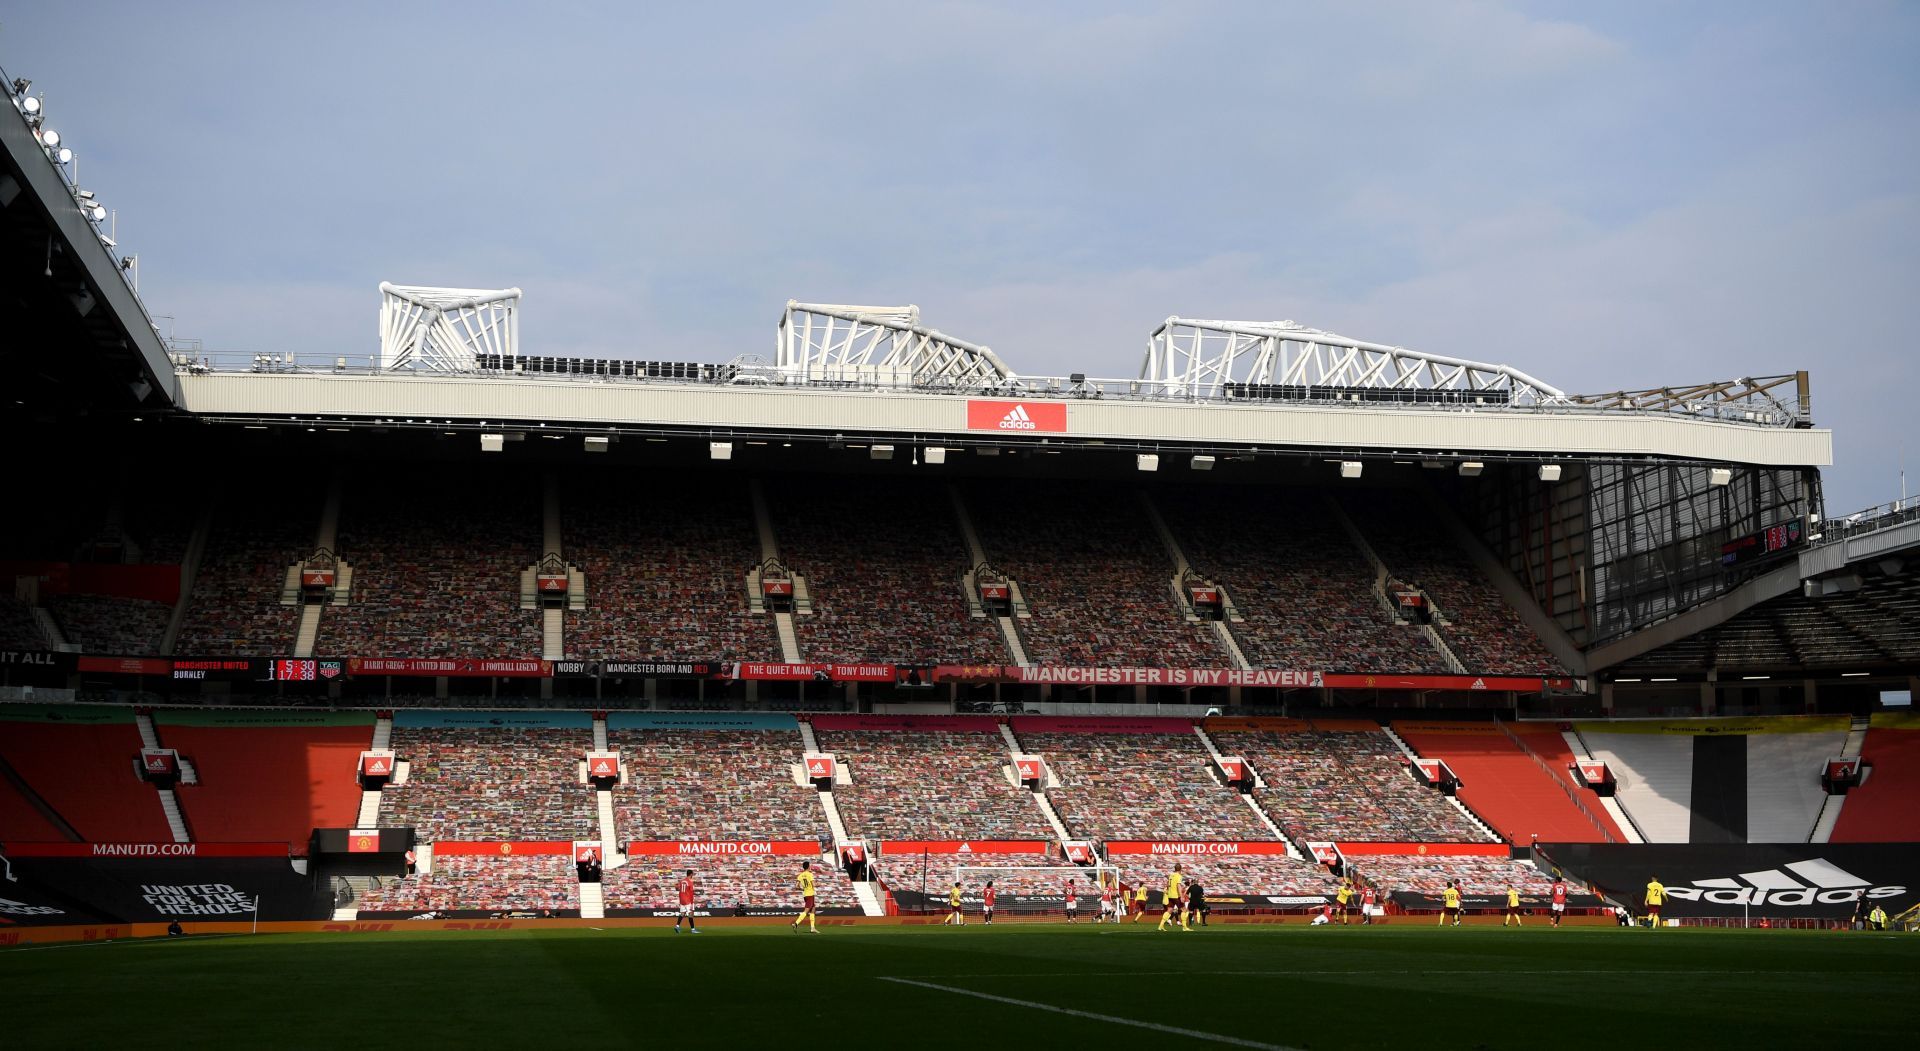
157 882
1810 880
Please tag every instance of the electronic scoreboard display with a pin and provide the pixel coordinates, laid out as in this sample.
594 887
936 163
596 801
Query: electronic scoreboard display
1767 543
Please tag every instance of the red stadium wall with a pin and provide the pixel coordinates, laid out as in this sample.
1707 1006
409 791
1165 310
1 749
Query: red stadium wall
1882 810
1502 783
86 773
269 784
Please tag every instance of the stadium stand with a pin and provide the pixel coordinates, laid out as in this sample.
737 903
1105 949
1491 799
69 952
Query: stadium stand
664 586
651 881
1140 786
1429 874
714 784
1653 776
1507 787
1484 632
934 874
1876 624
883 566
474 784
21 821
1784 795
1305 590
17 629
1221 875
436 571
1095 577
124 627
931 785
265 783
1882 808
1344 779
82 762
492 884
235 608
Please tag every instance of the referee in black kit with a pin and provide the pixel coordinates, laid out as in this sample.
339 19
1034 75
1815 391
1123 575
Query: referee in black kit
1196 902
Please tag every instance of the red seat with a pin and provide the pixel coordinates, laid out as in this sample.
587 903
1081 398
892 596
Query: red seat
1881 810
1507 788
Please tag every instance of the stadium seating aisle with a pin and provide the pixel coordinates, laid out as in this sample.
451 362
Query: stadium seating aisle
235 608
1140 786
83 762
1882 809
651 881
1344 780
884 567
1485 633
715 784
931 785
1305 590
664 586
493 884
1503 784
436 571
123 627
475 784
265 783
1093 573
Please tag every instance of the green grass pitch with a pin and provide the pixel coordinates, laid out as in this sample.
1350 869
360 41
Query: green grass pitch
1407 985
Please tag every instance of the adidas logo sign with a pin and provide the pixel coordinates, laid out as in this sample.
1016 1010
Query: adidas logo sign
1017 419
1825 884
1478 684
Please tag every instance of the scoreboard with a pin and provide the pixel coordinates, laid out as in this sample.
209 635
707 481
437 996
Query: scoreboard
1768 543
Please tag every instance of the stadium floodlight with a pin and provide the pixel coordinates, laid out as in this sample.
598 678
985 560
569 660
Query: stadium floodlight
1203 462
49 138
1147 461
30 105
1471 468
493 443
596 443
935 454
1720 475
1350 468
720 450
881 452
63 155
1549 472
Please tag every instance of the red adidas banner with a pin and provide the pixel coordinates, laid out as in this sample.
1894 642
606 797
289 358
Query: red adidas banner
126 665
1017 417
1202 848
1443 850
727 848
146 850
963 846
498 849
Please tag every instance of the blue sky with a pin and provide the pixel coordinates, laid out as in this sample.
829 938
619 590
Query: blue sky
1604 196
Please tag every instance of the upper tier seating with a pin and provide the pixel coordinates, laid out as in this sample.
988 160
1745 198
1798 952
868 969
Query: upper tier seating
883 567
714 784
1141 786
1345 780
436 572
652 881
1882 809
491 784
122 627
665 586
1093 573
87 772
494 884
1505 786
1293 572
263 784
1484 632
931 785
235 609
1429 874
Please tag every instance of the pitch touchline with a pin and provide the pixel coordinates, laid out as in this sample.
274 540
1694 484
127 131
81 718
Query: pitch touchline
1115 1019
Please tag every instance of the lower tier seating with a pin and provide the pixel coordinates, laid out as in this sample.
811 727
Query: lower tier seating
493 884
269 784
652 881
1503 784
1429 874
87 772
1882 809
491 784
931 786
